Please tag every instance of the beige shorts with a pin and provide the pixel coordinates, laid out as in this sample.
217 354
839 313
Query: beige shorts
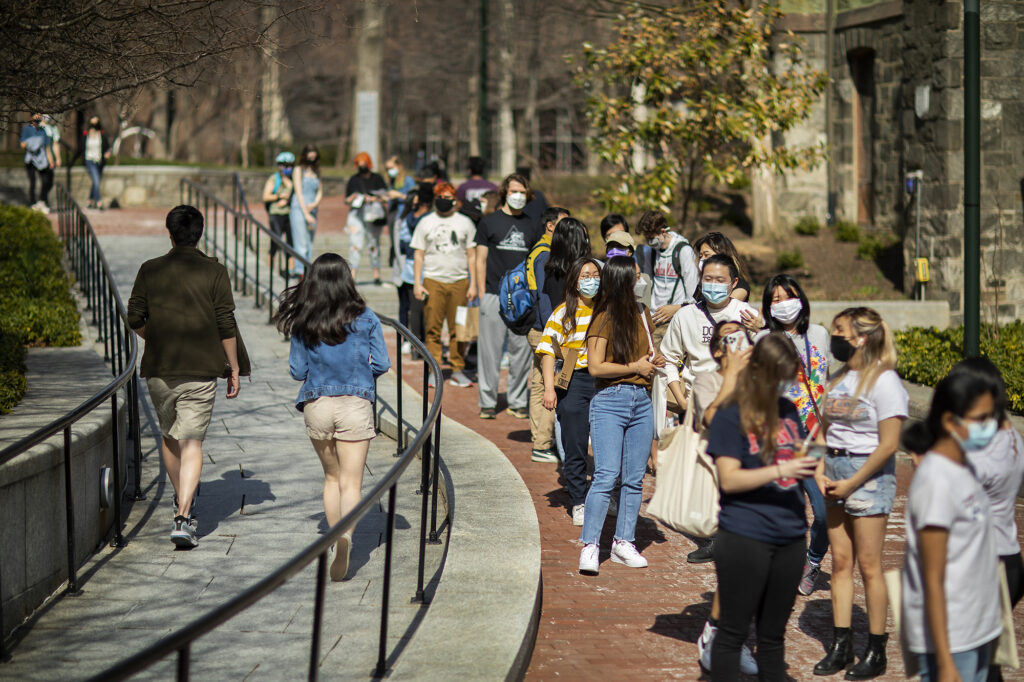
342 417
183 405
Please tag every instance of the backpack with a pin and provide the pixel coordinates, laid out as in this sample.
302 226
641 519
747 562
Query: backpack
517 302
646 257
277 186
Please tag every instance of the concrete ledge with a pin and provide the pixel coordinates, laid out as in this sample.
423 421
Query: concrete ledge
897 314
496 611
33 537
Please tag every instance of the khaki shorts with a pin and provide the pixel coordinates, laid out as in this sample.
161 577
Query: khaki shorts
183 405
342 417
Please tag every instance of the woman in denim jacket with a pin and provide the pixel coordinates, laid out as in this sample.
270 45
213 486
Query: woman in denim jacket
337 352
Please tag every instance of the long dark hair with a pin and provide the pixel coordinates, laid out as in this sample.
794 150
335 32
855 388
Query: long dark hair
719 243
791 287
957 392
569 243
304 162
757 390
571 293
616 298
322 307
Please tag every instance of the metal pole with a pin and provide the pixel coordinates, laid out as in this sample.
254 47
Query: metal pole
437 480
183 662
383 647
136 436
318 617
115 434
398 403
424 483
484 133
972 179
69 511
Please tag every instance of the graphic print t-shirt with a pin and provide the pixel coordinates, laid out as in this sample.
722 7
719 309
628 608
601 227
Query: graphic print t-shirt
773 513
854 420
444 241
508 239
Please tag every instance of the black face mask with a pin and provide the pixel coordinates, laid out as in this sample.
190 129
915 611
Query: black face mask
842 350
443 205
363 170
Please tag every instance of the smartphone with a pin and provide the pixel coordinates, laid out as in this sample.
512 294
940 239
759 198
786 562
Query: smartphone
816 450
737 341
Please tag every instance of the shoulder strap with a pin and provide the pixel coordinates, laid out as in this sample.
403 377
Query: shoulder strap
647 329
703 307
677 265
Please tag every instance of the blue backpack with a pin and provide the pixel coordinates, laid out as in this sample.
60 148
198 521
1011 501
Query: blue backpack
517 302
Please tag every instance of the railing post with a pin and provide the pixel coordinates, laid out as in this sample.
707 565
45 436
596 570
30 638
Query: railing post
424 488
383 647
69 510
318 616
184 654
434 540
136 435
4 654
118 540
400 436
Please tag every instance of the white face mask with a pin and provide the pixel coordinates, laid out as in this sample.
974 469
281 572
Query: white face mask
787 311
639 289
392 172
516 200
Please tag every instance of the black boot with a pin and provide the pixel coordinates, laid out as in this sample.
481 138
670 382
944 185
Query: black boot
840 654
873 663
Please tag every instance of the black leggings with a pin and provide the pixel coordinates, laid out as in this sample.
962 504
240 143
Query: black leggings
573 410
46 183
755 580
281 226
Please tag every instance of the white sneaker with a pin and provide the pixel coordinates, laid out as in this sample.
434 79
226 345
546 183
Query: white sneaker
748 664
625 553
406 348
577 514
704 643
589 559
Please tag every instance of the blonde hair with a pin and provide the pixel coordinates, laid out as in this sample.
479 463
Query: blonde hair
878 353
757 390
400 178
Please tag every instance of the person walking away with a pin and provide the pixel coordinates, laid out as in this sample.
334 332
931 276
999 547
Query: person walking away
184 357
503 240
542 421
670 262
472 191
999 467
277 197
367 197
444 272
38 161
401 185
97 151
565 338
865 406
306 196
755 439
713 243
622 360
410 308
950 582
337 352
785 308
53 132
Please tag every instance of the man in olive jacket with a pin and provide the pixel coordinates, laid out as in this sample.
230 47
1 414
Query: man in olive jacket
181 304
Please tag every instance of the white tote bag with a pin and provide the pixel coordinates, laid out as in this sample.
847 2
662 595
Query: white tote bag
686 491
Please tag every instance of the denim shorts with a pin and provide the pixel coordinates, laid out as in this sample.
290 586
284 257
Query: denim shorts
874 497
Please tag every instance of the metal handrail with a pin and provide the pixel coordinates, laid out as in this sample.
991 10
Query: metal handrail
426 442
120 349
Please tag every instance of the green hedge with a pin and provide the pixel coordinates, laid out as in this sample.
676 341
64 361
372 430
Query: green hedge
927 354
36 306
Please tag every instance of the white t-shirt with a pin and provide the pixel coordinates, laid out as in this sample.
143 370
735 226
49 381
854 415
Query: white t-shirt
669 286
854 422
688 336
1000 467
443 241
947 495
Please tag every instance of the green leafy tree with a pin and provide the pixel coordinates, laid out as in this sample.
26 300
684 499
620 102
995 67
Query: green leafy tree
690 94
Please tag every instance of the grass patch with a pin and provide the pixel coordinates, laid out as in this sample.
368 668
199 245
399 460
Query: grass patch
789 259
807 226
847 231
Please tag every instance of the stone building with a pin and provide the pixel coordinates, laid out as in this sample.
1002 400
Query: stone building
896 106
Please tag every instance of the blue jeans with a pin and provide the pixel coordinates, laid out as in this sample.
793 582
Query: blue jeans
818 546
621 432
972 665
95 171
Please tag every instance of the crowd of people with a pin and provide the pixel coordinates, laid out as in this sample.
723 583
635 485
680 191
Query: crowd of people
622 340
41 141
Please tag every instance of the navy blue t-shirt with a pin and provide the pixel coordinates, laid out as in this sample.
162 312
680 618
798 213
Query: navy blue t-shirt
773 513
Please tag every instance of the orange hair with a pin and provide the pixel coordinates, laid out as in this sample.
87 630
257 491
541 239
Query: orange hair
362 158
443 187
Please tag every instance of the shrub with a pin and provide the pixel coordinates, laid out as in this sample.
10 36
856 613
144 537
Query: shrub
870 247
12 372
789 260
807 226
927 354
847 231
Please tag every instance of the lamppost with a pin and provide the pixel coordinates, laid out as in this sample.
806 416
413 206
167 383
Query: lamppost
972 180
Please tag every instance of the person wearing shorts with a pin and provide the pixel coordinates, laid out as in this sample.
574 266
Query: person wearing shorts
183 358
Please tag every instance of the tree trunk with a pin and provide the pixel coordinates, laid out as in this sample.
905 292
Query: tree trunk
506 61
369 68
763 209
276 129
473 112
526 129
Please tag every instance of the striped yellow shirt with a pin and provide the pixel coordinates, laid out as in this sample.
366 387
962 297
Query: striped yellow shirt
554 333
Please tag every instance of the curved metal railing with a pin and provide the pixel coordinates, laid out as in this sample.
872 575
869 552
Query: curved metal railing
120 349
232 232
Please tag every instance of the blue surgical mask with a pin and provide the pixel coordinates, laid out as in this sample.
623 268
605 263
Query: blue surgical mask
979 434
589 286
287 172
713 292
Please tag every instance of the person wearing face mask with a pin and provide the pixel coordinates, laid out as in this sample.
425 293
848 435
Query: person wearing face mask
671 264
504 240
716 242
950 590
38 161
277 197
366 195
444 257
785 308
97 151
306 196
565 338
864 407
